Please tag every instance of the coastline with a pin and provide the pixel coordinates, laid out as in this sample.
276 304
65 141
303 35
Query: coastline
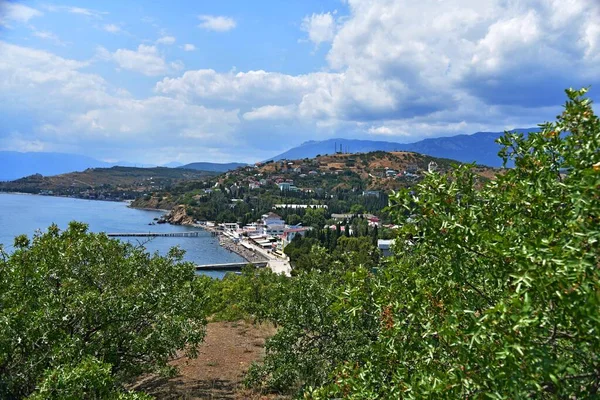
148 208
227 243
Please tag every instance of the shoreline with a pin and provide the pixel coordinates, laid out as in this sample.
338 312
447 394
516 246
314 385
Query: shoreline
148 208
241 251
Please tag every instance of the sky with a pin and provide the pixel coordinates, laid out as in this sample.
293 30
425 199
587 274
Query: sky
237 80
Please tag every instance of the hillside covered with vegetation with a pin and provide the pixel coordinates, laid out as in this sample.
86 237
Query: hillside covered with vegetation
339 181
115 183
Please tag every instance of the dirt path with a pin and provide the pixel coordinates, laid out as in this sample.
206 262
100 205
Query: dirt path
227 352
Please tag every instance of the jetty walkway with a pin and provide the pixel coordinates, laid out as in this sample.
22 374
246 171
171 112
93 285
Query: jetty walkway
154 234
230 266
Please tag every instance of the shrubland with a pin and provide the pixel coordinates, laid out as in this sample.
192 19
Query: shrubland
494 290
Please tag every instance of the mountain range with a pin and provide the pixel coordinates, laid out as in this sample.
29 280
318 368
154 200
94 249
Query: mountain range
15 165
480 147
212 167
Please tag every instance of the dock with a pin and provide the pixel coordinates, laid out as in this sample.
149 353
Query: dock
155 234
230 266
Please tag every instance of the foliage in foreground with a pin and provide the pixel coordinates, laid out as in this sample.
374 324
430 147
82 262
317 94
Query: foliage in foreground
81 314
494 291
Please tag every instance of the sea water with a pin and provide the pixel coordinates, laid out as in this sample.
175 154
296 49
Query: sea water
25 214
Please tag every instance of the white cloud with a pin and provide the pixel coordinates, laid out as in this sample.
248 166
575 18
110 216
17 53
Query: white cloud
112 28
189 47
81 111
320 27
168 40
87 12
256 88
146 60
216 23
47 35
14 12
271 113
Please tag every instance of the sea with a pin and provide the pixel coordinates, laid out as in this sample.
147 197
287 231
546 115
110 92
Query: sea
26 214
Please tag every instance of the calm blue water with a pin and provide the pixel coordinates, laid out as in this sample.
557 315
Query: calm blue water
24 214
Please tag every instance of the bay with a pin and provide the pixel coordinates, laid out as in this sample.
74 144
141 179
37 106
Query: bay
24 214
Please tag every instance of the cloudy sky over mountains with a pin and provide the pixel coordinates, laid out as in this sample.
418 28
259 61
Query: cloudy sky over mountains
240 81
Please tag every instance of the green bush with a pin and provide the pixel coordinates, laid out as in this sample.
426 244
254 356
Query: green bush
74 302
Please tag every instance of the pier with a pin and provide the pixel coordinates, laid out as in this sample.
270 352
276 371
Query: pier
155 234
230 266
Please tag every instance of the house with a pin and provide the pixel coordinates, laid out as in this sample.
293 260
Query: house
273 229
373 221
390 173
272 219
231 226
254 185
374 193
284 186
342 228
385 246
297 170
313 173
290 233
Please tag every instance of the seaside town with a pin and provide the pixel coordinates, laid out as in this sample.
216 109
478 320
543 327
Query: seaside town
266 240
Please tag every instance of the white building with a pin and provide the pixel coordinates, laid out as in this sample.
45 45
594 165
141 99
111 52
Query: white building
272 219
273 230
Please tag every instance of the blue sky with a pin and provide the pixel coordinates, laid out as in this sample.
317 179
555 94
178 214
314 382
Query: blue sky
161 81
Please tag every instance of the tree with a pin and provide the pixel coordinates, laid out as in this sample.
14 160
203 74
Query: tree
293 219
357 209
76 306
314 217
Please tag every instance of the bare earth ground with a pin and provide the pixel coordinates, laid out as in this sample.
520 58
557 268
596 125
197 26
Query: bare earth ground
228 350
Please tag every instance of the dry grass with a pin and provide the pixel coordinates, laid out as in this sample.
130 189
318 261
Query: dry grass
224 357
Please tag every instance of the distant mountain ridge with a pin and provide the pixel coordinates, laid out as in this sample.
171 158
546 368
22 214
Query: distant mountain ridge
15 165
212 167
479 147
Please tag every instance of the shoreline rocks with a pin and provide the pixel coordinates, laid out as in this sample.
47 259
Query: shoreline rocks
178 216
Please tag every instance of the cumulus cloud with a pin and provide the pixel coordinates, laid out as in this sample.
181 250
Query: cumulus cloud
112 28
397 64
87 12
145 59
216 23
83 110
47 35
14 12
271 113
320 27
168 40
188 47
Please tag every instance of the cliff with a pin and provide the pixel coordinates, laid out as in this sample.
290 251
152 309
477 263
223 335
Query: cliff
179 216
154 202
